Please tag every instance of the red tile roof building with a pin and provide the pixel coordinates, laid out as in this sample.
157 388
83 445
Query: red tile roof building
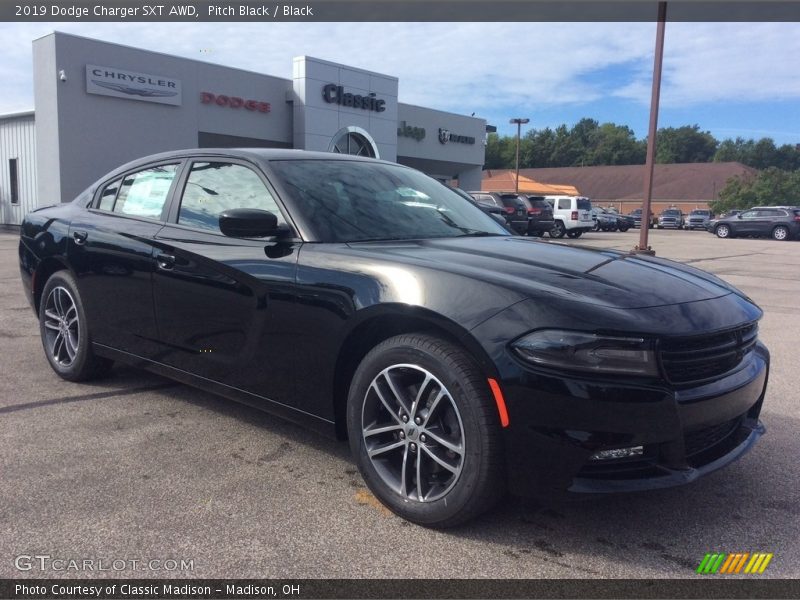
684 185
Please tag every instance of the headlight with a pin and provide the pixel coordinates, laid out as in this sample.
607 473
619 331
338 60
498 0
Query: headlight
578 351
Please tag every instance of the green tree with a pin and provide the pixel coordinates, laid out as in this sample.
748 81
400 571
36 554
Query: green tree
738 150
500 152
567 149
538 148
685 144
760 154
771 186
613 144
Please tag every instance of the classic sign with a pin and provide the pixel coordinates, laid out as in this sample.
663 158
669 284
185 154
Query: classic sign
335 94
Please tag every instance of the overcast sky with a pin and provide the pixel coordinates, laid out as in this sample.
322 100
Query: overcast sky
734 79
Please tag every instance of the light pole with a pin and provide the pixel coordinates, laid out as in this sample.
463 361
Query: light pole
649 165
519 123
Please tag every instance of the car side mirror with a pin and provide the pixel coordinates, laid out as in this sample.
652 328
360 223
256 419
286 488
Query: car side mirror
739 216
249 222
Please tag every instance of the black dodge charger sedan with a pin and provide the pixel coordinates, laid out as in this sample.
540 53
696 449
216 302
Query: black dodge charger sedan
364 299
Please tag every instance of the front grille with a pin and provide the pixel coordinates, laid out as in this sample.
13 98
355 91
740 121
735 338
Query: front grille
696 442
700 358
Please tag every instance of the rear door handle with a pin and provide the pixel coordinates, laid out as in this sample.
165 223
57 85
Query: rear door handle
80 237
165 261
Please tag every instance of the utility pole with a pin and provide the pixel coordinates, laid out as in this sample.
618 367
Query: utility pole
519 122
643 248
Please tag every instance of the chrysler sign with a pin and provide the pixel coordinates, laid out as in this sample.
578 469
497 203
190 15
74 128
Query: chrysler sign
121 83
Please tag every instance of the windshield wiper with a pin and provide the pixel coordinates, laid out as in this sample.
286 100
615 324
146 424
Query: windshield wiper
476 233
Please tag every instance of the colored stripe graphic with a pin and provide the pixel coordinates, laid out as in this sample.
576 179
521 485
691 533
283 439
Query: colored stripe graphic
711 563
729 564
764 564
741 562
703 563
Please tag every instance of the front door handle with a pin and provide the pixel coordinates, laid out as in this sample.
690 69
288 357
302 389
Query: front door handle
80 237
165 261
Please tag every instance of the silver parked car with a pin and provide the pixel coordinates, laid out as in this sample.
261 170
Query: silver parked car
699 218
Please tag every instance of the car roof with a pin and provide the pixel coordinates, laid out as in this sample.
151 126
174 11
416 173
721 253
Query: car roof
250 154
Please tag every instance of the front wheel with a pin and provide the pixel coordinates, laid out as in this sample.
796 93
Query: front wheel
65 331
780 233
624 228
425 432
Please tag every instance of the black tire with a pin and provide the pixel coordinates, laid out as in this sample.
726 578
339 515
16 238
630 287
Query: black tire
65 332
535 233
780 233
723 231
558 230
624 228
466 416
574 234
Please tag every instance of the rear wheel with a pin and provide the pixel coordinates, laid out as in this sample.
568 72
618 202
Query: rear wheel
780 233
558 230
65 331
425 432
723 231
624 227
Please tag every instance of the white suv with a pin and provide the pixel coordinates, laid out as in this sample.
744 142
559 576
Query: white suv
572 215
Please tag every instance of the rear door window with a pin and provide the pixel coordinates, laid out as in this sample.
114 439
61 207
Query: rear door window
144 194
584 204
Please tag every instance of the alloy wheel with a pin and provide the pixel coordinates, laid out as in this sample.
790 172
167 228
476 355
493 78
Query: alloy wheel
61 324
780 233
723 231
413 433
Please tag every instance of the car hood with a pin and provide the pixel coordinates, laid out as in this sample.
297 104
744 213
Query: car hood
540 269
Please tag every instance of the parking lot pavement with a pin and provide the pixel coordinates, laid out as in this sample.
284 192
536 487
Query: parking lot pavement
136 467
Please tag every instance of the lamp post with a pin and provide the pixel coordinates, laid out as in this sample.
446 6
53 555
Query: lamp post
642 247
519 123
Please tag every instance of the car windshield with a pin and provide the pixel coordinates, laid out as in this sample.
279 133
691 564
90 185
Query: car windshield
671 213
351 201
700 213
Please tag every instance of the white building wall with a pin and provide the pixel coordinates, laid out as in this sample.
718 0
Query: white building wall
17 140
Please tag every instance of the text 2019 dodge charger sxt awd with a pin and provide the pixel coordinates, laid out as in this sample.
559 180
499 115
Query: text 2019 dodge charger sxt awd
365 299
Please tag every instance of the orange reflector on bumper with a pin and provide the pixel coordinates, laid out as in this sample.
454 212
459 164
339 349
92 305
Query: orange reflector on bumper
500 401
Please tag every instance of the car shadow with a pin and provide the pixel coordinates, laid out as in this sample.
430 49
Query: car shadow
668 531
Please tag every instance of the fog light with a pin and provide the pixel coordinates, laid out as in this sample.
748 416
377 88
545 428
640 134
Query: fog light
618 453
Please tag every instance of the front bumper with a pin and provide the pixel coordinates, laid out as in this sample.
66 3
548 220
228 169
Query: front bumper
558 424
673 224
544 225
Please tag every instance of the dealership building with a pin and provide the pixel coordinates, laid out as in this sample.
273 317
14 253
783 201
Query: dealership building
98 105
